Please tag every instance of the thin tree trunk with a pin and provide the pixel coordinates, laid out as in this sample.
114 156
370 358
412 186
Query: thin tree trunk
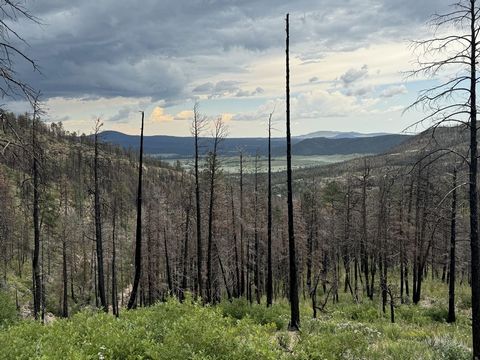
37 282
185 247
269 218
138 234
451 284
98 228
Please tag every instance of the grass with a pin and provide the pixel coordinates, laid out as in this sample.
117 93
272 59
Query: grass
239 330
230 164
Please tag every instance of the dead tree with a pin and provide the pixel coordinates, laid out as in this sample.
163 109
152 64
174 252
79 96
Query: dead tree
256 273
451 282
37 278
198 125
138 234
269 217
293 293
455 101
98 220
219 133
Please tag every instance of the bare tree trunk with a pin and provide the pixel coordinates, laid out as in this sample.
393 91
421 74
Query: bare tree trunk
167 263
185 247
256 238
220 133
114 267
269 218
196 129
64 257
138 234
242 255
234 232
98 226
473 194
294 301
451 283
37 282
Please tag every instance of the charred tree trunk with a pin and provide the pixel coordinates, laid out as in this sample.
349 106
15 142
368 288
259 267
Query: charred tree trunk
237 291
473 193
167 263
138 233
197 125
98 227
293 294
256 238
185 248
269 218
451 283
242 254
64 258
114 259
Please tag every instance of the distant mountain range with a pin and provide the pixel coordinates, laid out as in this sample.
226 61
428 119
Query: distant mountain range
318 143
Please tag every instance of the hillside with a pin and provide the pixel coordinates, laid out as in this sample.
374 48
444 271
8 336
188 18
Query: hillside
177 146
343 146
339 144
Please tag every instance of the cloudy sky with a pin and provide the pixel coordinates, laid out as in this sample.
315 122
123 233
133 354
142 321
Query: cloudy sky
112 58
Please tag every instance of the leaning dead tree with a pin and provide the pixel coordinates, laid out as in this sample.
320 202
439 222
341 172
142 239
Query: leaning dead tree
453 50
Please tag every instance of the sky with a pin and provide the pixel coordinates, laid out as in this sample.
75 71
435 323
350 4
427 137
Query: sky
113 58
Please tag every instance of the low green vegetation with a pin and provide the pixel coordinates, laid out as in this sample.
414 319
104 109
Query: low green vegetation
240 330
230 164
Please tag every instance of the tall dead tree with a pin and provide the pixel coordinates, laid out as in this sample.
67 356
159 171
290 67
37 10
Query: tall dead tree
114 258
256 270
454 101
242 247
293 292
237 291
198 124
98 220
37 278
64 253
269 217
219 133
451 281
138 234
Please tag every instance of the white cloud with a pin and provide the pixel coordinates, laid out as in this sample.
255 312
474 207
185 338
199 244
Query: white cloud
393 91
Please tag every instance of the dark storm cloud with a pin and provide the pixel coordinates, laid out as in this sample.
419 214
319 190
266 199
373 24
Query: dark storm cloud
105 48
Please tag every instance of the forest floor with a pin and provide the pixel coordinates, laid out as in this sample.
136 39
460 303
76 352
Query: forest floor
238 330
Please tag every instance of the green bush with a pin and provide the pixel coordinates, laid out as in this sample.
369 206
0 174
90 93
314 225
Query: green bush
260 314
8 309
165 331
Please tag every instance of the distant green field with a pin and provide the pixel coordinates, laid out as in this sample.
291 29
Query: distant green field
231 164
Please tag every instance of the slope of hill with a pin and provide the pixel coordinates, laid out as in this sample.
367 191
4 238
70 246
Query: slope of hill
184 146
343 146
175 146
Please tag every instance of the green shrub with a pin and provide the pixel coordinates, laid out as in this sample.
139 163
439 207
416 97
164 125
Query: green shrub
8 309
447 348
260 314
